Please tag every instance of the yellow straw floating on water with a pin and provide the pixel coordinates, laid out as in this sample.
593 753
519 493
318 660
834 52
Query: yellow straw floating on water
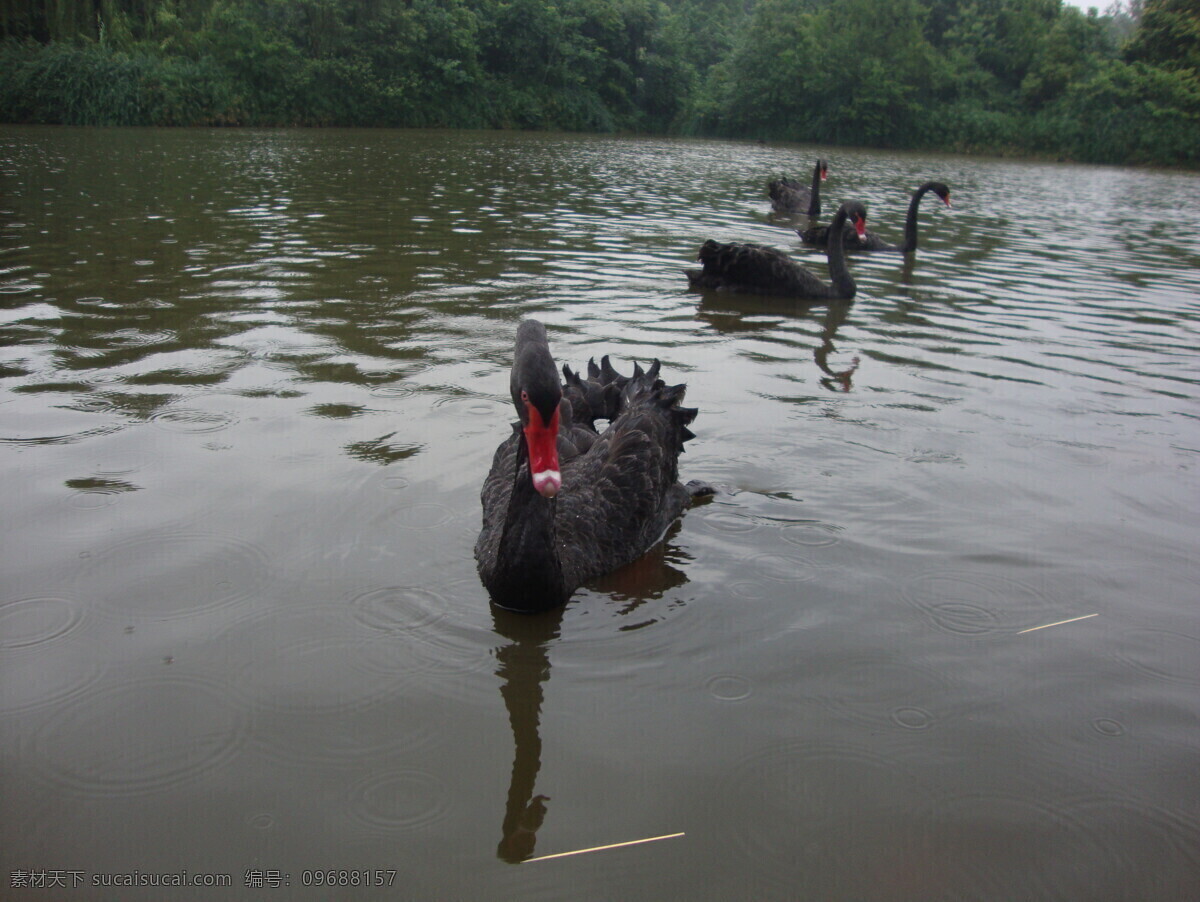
1058 623
615 845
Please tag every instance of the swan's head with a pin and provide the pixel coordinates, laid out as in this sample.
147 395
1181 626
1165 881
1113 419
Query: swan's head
942 191
823 167
537 393
856 214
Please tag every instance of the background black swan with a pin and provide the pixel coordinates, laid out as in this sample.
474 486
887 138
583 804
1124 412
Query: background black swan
818 236
754 269
564 504
789 196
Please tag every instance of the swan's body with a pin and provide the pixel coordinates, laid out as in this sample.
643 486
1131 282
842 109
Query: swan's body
563 503
792 198
818 236
754 269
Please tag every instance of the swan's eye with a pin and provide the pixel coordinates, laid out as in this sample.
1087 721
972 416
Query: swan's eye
525 396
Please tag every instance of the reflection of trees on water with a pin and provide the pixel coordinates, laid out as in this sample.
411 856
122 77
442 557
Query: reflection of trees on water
173 262
729 312
523 666
383 450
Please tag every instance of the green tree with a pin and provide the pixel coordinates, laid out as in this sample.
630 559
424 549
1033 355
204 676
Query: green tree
1168 35
1131 112
1075 48
1002 37
852 71
995 75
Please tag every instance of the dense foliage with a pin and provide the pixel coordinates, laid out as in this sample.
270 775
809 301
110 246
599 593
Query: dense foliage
1021 76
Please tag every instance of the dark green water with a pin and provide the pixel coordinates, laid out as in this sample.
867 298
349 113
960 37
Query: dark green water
251 383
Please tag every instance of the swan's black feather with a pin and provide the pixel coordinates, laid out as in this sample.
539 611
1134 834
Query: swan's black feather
620 489
755 269
791 198
818 236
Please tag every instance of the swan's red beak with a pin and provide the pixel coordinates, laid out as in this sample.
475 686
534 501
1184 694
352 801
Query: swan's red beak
860 227
824 174
542 440
947 200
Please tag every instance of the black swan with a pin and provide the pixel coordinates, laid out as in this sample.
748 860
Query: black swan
790 197
564 504
754 269
818 236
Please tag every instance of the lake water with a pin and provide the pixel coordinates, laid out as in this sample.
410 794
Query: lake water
936 638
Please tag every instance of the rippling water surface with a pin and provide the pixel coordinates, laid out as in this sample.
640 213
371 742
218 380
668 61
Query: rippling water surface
251 383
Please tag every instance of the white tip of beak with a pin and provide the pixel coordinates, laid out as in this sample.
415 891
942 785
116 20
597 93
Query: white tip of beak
547 483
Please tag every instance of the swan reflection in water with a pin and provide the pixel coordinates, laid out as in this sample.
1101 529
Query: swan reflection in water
834 380
728 313
523 666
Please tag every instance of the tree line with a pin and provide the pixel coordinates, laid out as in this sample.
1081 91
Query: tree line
998 76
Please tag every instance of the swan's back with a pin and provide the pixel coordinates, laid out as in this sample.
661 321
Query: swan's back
789 196
818 236
622 493
752 269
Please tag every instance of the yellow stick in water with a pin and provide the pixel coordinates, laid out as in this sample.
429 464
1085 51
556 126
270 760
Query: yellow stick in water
616 845
1058 623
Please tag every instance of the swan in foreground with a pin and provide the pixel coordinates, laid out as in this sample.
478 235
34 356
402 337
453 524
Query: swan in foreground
564 503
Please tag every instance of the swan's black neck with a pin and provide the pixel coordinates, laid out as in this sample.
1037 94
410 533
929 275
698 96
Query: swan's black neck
528 575
910 222
839 274
814 204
